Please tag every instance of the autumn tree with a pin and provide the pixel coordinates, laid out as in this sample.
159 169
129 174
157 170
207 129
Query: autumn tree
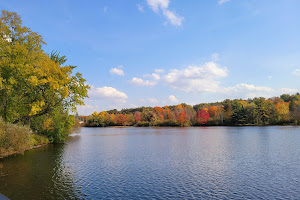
282 111
121 119
227 106
158 110
138 116
202 116
182 120
35 87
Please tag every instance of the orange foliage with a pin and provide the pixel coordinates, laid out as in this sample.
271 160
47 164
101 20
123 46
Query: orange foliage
121 119
182 118
213 111
158 110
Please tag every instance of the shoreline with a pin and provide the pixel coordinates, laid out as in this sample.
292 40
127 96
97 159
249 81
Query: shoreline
240 125
17 153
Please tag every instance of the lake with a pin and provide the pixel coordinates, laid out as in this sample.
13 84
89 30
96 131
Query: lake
160 163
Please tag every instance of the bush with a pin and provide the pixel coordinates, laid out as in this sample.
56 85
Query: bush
14 138
56 126
39 139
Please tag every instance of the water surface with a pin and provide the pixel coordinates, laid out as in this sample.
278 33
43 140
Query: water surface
160 163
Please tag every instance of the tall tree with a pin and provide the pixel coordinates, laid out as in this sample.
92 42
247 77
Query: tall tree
32 83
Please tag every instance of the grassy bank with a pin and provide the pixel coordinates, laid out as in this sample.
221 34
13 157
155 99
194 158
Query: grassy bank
15 139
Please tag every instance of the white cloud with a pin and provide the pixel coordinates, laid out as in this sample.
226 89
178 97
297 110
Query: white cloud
173 18
220 2
153 75
152 100
173 99
133 106
149 100
288 91
196 78
270 77
140 82
117 71
159 71
157 5
87 109
107 93
296 72
141 8
244 90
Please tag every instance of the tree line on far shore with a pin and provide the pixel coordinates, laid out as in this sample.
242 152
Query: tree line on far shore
258 111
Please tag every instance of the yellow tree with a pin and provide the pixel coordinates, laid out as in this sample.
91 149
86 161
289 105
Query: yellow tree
282 111
32 84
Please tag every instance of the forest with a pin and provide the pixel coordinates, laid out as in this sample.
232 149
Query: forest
283 110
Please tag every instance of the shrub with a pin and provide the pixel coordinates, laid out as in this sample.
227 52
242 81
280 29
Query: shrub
56 126
39 139
14 138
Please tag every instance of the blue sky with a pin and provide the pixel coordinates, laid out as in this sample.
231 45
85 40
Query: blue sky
165 52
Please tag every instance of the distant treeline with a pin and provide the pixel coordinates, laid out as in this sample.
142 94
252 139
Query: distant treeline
258 111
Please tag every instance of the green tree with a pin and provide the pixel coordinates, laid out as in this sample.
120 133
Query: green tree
238 114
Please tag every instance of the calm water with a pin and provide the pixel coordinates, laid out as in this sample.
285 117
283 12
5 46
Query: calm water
160 163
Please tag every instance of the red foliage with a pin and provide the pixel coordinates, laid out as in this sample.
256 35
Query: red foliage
202 116
138 116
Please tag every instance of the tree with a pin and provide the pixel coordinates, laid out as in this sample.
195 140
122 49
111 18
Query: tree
238 114
33 85
285 97
138 116
158 110
295 112
212 110
227 106
262 111
282 111
121 119
251 113
182 120
202 116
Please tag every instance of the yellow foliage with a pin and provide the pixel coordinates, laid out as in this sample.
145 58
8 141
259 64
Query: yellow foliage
33 80
244 103
36 107
48 124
